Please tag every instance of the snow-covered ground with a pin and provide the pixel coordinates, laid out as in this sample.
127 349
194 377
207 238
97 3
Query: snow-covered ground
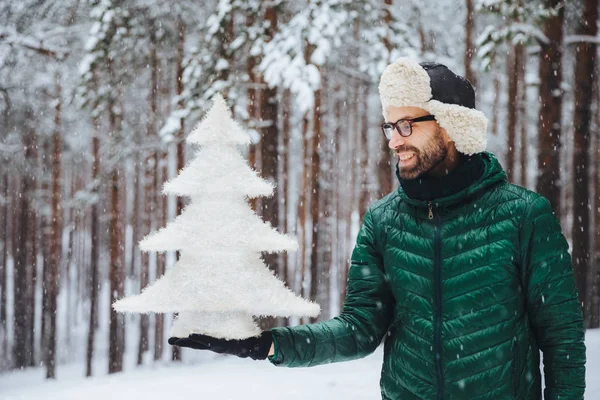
220 377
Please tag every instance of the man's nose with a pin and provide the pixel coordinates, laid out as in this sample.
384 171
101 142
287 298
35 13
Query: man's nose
396 141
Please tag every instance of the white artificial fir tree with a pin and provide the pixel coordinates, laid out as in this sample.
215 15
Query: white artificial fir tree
220 281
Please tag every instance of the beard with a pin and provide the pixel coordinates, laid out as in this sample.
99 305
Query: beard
434 152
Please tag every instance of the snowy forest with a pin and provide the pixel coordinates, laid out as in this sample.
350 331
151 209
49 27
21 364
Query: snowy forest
98 96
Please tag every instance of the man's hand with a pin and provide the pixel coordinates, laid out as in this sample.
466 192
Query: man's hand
257 348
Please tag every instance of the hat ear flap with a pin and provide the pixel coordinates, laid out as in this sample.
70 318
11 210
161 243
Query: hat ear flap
466 127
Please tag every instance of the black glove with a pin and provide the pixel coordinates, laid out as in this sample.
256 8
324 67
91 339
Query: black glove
257 348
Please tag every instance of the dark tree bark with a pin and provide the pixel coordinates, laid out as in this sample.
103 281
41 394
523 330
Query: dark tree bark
523 119
315 196
55 243
327 223
4 271
550 121
584 74
495 106
95 245
341 204
469 39
269 153
45 227
149 188
117 268
251 95
384 163
33 232
595 266
284 187
117 290
175 353
23 271
365 133
514 66
161 175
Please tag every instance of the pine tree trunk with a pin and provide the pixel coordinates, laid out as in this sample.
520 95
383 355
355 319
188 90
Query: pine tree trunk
269 112
305 188
116 270
64 271
269 153
5 230
365 133
149 190
584 73
176 354
284 184
134 221
496 105
469 45
341 204
93 282
512 66
143 346
251 102
33 236
4 272
301 210
595 281
161 175
22 276
55 246
549 123
327 224
315 198
45 229
523 118
384 163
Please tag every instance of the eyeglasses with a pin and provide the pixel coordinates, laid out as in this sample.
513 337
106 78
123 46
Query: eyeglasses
404 126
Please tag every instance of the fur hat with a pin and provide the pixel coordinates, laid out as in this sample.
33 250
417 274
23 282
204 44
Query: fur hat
447 96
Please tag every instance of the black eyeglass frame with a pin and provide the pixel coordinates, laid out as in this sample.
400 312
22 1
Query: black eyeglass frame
389 127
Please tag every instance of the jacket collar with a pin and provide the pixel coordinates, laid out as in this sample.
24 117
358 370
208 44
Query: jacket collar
491 175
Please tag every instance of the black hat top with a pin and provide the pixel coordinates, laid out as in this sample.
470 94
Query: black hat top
447 87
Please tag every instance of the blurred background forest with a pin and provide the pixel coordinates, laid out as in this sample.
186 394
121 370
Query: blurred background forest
96 97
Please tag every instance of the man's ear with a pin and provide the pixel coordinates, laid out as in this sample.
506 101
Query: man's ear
446 137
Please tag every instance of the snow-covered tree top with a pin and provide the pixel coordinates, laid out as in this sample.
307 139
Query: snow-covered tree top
218 127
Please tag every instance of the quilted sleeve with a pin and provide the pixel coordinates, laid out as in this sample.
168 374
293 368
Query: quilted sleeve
364 320
552 302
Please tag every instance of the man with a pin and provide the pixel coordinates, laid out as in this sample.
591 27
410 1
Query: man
465 275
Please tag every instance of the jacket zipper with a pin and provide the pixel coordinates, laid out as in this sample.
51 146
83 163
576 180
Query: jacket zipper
437 270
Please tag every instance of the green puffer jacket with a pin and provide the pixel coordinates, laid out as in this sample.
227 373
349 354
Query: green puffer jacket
468 289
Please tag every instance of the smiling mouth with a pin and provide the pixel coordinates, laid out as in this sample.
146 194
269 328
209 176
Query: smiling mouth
406 157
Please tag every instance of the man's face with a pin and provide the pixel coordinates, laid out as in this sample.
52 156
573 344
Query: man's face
425 150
